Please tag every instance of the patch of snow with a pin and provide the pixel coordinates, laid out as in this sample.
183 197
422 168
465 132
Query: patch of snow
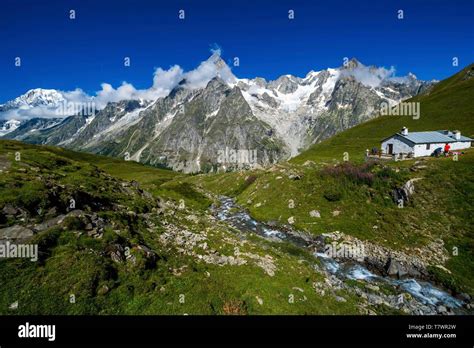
212 114
9 126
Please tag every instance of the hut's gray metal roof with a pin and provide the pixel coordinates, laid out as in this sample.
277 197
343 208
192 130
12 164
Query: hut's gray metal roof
441 136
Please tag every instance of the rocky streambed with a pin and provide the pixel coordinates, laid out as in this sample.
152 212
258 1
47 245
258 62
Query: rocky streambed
380 277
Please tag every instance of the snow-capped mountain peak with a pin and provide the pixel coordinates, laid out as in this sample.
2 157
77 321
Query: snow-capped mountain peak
35 97
213 67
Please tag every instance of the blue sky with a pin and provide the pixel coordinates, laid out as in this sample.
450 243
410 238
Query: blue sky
65 54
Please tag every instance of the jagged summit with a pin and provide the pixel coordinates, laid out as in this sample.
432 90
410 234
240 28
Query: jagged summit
217 60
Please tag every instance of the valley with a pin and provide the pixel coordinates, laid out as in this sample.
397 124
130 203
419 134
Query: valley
145 240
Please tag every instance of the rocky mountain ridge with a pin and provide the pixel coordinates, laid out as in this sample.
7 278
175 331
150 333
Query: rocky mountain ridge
213 126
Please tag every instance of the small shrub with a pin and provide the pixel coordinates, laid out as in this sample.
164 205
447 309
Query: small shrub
74 223
250 180
46 241
234 307
388 174
445 279
333 195
31 196
356 174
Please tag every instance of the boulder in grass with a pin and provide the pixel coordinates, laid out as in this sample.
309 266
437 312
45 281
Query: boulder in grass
16 233
315 214
10 210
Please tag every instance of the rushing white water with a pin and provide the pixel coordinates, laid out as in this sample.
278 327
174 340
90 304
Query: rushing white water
360 273
427 293
423 291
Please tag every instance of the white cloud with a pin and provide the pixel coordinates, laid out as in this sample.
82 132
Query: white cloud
22 114
165 80
207 70
369 76
76 96
163 83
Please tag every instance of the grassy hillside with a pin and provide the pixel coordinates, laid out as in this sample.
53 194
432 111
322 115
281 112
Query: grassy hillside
129 248
449 105
358 202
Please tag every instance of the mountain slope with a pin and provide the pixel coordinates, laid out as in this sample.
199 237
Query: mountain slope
186 130
146 246
448 105
28 129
